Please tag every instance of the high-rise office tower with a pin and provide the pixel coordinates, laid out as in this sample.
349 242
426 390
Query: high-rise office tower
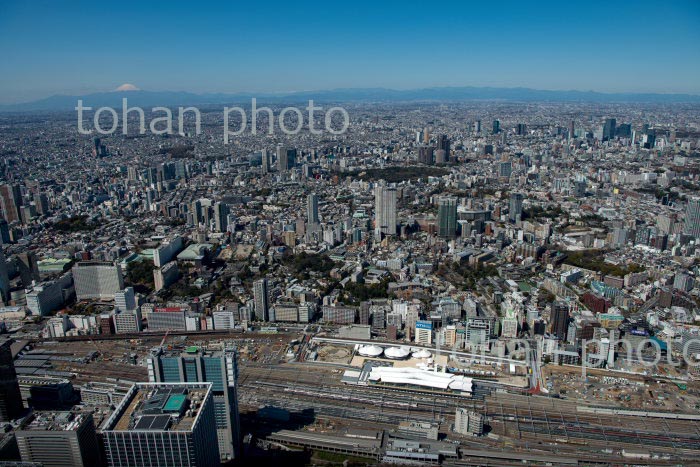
312 208
692 217
559 324
444 144
683 281
515 207
282 161
447 217
609 129
496 127
27 213
11 406
197 216
28 268
441 157
286 158
477 126
425 155
649 139
125 300
521 129
505 169
167 170
624 130
202 366
181 170
132 173
162 425
291 157
571 130
42 203
4 279
4 232
265 161
151 176
385 209
261 300
59 439
11 202
221 212
97 280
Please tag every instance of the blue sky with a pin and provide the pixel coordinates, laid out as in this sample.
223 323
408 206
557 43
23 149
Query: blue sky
73 47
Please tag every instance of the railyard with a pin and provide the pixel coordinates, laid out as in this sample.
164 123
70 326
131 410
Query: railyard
518 426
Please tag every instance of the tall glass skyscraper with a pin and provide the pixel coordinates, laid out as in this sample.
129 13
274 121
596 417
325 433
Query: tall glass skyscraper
447 217
692 217
385 209
312 208
515 208
217 367
261 301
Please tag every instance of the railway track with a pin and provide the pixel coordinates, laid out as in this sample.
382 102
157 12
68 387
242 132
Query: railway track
519 422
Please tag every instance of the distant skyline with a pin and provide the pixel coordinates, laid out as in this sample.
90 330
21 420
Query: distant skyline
84 47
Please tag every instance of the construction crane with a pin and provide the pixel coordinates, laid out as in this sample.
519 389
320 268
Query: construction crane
164 338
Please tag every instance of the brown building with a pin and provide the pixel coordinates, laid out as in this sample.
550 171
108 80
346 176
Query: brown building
10 202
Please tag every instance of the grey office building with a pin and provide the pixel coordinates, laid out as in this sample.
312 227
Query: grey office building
447 217
385 209
286 158
217 367
692 217
97 280
163 425
515 208
312 208
261 300
60 439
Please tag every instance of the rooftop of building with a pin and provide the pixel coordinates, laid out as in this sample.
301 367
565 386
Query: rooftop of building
190 351
159 407
55 421
194 251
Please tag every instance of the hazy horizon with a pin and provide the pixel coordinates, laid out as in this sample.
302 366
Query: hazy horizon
350 88
80 47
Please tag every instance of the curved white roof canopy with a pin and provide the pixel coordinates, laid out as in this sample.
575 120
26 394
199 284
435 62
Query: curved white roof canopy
396 353
370 351
422 354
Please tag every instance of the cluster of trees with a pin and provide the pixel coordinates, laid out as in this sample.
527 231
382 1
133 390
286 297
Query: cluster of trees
537 212
178 152
465 276
595 261
304 263
180 289
263 192
356 292
141 272
400 174
74 224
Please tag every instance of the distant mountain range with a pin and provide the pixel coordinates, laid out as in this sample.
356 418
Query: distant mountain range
149 99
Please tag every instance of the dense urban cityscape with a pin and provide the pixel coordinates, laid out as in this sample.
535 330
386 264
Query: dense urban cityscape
342 234
455 283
